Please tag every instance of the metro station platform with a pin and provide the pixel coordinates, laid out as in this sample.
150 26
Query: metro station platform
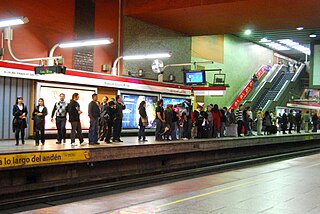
49 168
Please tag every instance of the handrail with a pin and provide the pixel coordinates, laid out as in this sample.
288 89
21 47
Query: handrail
276 73
267 105
284 86
275 69
261 86
298 72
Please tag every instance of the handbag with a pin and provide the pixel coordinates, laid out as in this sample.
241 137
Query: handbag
144 121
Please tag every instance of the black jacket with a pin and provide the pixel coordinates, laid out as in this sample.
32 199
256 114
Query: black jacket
19 123
73 108
119 110
39 121
93 110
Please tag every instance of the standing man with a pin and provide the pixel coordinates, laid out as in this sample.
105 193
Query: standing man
159 119
239 116
118 119
60 109
291 121
103 118
74 118
298 120
94 114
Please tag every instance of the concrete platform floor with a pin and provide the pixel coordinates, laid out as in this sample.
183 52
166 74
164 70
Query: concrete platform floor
290 186
8 146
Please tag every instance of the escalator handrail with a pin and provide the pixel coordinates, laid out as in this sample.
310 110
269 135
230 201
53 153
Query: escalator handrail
266 106
282 90
298 72
276 73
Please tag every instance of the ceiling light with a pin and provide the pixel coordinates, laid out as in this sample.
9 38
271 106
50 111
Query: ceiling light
147 56
300 28
13 21
89 42
312 35
264 40
295 45
248 32
277 46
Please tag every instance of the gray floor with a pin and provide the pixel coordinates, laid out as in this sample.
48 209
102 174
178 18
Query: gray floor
291 186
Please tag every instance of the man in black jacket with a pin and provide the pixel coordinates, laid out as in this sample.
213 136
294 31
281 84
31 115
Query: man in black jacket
74 118
118 119
94 114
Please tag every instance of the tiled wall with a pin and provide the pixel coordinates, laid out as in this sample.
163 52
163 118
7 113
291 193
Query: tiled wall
142 38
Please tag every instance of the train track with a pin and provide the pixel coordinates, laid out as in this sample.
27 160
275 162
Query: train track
77 191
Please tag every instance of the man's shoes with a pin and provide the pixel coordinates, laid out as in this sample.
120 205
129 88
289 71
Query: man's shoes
23 142
58 142
144 140
64 140
96 143
108 142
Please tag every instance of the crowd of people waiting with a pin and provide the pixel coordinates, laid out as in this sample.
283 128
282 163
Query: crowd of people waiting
105 119
171 123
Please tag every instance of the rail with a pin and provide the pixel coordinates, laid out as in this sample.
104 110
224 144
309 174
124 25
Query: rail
298 72
282 90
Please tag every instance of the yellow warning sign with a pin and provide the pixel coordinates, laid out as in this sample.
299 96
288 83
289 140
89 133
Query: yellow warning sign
38 158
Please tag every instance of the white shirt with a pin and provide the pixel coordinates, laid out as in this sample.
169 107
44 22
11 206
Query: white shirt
41 108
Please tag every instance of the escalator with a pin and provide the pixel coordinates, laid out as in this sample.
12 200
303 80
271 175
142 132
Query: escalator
275 90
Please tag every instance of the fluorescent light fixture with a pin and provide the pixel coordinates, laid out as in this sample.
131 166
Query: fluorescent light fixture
277 46
264 40
147 56
295 45
248 32
138 57
13 21
300 28
89 42
313 35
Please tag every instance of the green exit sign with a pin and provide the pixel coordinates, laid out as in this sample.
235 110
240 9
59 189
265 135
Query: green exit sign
58 69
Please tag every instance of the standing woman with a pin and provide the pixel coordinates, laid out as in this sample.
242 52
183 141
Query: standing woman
259 121
20 113
143 121
38 116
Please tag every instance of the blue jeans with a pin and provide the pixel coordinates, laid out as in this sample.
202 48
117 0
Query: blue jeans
93 130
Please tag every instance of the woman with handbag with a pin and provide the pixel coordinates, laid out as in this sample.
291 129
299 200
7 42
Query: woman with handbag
19 123
38 116
143 121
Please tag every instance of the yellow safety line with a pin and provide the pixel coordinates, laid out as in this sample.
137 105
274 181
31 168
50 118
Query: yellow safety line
317 164
208 193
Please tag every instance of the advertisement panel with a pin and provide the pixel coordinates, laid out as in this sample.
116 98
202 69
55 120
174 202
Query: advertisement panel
50 93
131 113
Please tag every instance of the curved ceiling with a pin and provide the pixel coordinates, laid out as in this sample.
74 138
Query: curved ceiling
209 17
275 19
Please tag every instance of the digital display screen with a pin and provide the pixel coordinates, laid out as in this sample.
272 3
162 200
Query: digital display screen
50 93
131 113
195 78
